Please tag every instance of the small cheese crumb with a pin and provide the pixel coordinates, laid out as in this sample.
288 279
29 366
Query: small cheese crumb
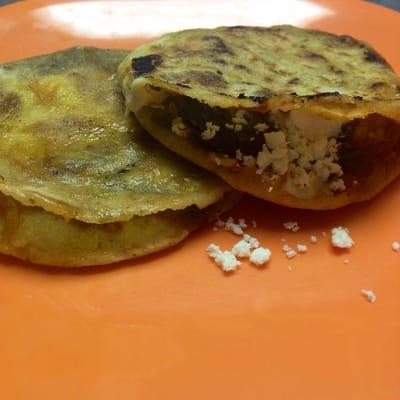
254 224
179 127
260 127
396 246
291 253
254 243
291 226
346 261
225 259
230 225
210 131
369 295
324 234
289 268
286 247
313 239
302 248
260 256
340 238
241 248
270 189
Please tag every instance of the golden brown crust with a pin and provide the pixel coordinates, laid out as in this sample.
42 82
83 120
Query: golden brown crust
67 145
276 68
32 234
280 66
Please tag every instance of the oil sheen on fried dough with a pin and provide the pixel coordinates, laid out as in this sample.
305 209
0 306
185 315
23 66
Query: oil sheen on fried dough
67 145
278 68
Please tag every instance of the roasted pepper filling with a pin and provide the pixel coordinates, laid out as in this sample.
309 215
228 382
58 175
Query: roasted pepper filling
304 152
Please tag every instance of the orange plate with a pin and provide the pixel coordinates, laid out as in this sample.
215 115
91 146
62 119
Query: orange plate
172 325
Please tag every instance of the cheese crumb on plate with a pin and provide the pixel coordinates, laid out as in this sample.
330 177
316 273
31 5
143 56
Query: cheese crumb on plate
340 238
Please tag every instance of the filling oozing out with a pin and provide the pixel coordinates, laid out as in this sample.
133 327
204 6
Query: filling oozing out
304 153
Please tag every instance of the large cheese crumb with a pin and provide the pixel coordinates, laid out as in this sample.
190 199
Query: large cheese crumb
210 131
291 226
241 249
225 259
369 295
340 238
260 256
396 246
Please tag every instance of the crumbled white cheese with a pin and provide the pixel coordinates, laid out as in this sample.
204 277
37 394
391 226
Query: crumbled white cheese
338 185
249 161
260 256
210 131
313 239
291 226
291 253
270 189
225 259
340 238
324 234
369 295
239 155
396 246
346 261
254 224
254 243
289 268
239 118
230 225
179 127
302 248
230 126
241 249
286 247
260 127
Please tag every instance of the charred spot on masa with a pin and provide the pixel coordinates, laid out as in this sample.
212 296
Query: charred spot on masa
324 94
372 56
207 78
218 45
336 70
310 55
259 99
378 85
144 65
9 102
348 40
184 85
220 61
241 67
294 81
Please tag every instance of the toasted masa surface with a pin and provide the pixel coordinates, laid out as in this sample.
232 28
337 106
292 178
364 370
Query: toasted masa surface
257 68
35 235
67 145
